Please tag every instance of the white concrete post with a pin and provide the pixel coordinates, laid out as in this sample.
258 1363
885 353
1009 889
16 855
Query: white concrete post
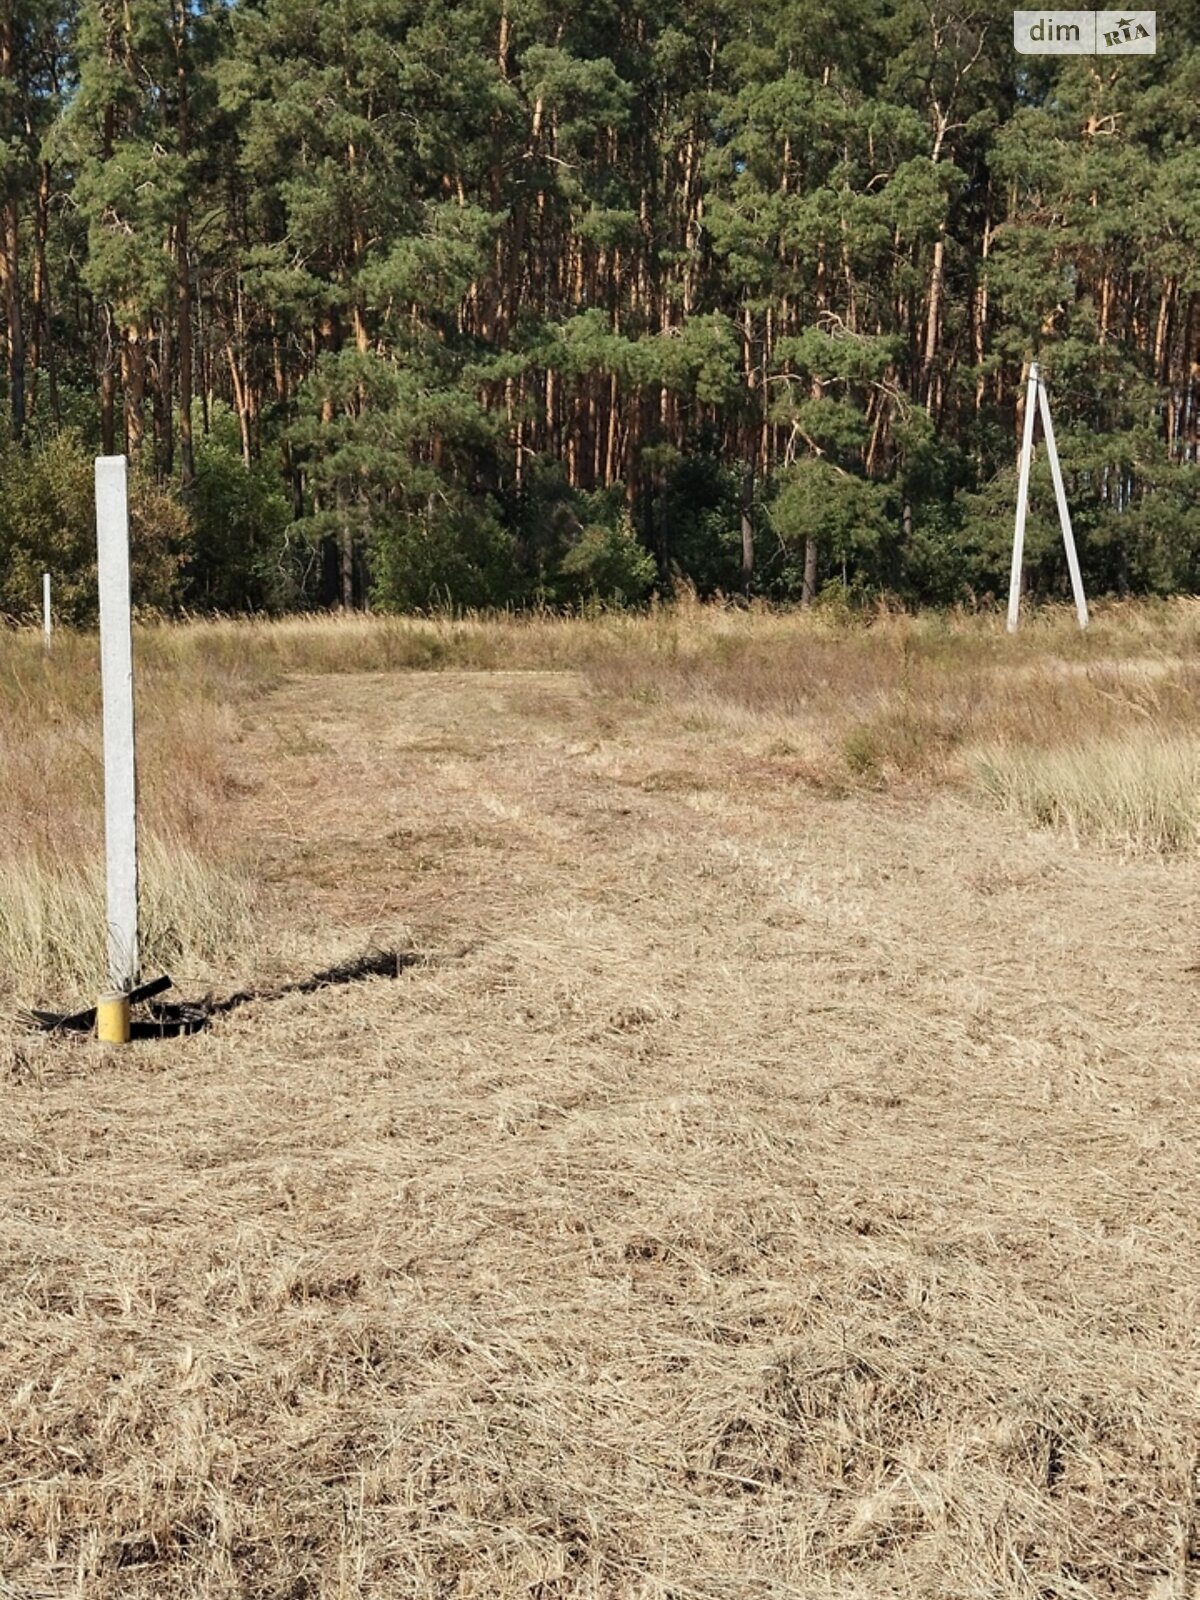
1064 516
47 623
1014 582
116 671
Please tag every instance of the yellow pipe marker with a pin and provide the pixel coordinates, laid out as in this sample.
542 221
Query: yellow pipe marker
112 1018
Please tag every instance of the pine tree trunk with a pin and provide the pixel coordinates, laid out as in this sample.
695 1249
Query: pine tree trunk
10 269
133 379
241 403
610 451
108 384
10 246
747 533
808 591
979 316
108 375
164 429
1166 300
183 312
1187 429
345 550
183 270
933 325
42 329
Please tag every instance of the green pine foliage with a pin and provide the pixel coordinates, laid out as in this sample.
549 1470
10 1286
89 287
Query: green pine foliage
497 303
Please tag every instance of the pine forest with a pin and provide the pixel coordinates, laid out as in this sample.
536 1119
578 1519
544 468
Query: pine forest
504 303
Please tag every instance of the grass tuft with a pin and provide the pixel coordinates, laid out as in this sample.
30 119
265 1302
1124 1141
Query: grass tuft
194 901
1139 792
52 928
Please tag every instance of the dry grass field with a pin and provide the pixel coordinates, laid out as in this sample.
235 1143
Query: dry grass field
774 1174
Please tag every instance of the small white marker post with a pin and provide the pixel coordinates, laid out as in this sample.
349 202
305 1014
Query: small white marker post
47 622
120 772
1035 394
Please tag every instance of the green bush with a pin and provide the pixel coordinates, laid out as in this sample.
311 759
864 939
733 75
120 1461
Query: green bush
842 514
454 555
48 524
607 563
241 556
700 512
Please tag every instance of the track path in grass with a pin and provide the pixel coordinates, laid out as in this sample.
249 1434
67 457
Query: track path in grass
758 1193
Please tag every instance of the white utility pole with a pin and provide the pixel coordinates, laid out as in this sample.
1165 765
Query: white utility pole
1035 395
47 623
120 771
1064 516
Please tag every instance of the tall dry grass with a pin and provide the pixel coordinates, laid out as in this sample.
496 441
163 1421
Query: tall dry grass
1139 792
194 912
681 633
1096 733
195 893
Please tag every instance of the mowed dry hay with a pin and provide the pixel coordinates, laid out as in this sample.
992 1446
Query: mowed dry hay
760 1190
